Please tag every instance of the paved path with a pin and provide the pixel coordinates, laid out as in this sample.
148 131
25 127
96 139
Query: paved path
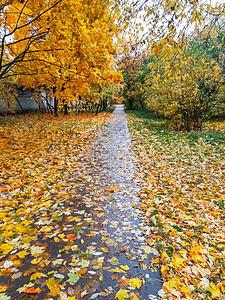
111 164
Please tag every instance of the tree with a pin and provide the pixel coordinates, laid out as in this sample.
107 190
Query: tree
68 47
163 22
131 63
21 29
183 87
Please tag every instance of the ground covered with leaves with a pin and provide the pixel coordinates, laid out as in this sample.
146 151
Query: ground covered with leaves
38 156
183 198
70 228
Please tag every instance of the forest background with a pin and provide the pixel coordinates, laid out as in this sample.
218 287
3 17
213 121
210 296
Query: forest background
164 56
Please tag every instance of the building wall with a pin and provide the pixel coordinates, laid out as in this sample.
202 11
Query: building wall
26 103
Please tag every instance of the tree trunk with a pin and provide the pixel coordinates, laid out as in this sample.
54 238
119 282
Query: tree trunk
65 109
20 105
56 108
49 106
142 106
104 104
55 103
97 109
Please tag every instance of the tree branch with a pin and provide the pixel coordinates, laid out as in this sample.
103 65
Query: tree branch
33 20
21 12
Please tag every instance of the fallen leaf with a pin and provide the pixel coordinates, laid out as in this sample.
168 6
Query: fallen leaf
135 282
73 278
122 294
32 290
125 268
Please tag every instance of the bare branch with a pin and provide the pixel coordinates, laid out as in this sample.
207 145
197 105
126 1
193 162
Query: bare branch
18 74
21 12
24 39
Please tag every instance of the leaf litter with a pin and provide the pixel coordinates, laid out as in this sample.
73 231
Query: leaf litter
68 229
183 198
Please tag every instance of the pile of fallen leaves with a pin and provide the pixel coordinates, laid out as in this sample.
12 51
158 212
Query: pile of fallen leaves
38 157
183 197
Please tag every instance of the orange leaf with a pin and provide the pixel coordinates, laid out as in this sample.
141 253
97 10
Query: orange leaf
71 237
81 272
32 290
133 296
112 189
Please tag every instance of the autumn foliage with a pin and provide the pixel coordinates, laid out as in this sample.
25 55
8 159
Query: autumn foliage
184 88
183 82
60 47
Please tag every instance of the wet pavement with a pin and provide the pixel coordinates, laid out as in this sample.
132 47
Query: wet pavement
110 171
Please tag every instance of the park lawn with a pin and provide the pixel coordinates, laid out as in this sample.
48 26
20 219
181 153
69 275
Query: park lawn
183 197
38 156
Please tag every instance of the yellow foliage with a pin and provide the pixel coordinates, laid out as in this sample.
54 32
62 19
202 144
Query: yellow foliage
122 294
135 282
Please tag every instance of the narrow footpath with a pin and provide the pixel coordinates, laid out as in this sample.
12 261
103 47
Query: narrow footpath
114 186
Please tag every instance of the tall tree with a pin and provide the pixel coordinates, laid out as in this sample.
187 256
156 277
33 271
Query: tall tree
63 46
21 28
161 22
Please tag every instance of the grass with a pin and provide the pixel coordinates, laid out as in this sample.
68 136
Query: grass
183 199
212 134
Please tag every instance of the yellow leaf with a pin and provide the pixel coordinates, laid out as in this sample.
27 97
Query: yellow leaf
84 293
61 235
145 256
164 269
5 248
144 266
122 294
36 261
82 271
164 255
185 289
112 189
74 248
147 249
101 278
135 282
215 291
118 270
37 275
133 296
104 249
46 229
22 254
125 268
90 234
178 261
53 285
3 288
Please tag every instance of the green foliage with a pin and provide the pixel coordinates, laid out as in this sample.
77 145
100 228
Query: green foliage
131 65
183 87
183 83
